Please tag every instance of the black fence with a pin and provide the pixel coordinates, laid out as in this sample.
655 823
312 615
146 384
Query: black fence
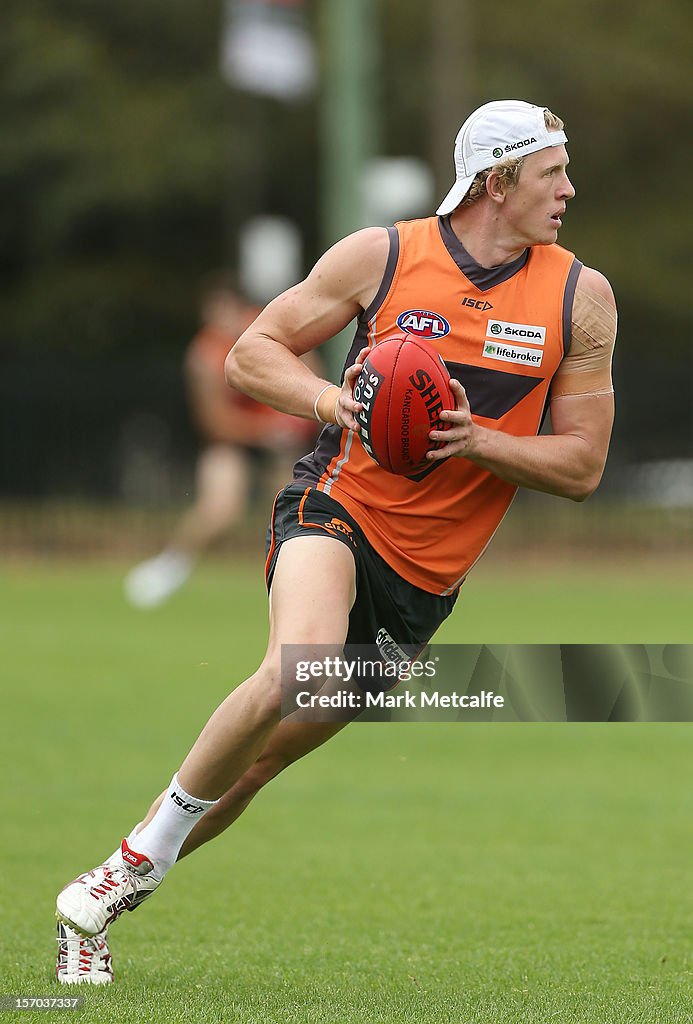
115 434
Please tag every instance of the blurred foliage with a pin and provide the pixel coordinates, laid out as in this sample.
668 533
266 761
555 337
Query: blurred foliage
619 76
128 165
122 158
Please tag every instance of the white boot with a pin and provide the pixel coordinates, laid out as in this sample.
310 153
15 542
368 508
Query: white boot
152 582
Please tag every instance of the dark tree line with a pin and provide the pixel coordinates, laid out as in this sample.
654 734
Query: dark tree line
127 163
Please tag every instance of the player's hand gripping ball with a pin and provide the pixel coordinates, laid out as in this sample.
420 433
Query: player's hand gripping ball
403 387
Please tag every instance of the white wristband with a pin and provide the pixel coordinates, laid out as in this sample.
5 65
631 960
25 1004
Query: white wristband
315 403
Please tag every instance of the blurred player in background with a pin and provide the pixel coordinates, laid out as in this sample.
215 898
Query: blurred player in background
358 555
243 442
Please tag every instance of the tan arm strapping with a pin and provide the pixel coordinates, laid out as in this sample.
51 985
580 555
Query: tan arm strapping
586 367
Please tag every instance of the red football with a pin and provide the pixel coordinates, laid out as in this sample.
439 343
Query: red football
404 386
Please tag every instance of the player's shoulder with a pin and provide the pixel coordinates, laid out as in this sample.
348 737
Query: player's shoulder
371 244
591 280
594 315
354 265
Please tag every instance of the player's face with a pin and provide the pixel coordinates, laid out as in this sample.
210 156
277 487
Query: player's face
534 208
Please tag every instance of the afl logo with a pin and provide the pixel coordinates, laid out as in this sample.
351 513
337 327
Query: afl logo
423 324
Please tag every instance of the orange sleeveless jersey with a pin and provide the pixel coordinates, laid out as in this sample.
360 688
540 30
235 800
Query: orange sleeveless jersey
502 333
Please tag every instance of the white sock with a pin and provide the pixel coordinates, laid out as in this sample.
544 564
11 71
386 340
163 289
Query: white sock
160 841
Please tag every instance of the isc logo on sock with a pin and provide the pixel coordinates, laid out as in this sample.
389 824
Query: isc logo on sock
189 808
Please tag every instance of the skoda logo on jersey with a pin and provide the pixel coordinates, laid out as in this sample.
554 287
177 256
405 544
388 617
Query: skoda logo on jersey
423 324
527 334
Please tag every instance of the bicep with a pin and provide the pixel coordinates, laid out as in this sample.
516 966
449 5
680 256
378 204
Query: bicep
304 317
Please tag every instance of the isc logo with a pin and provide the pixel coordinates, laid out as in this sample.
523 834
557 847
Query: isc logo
185 806
423 324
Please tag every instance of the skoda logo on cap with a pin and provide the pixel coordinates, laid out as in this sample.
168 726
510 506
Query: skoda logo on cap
498 152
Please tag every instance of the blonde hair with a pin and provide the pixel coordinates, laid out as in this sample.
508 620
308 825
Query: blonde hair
508 171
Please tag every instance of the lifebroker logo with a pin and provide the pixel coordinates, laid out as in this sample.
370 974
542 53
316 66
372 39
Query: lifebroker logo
513 353
422 323
502 330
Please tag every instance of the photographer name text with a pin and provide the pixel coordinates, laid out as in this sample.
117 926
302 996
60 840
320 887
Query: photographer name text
343 699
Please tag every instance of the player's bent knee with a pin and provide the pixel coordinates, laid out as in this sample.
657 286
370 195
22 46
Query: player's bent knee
264 689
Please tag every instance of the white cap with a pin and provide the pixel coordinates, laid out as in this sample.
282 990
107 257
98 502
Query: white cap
500 129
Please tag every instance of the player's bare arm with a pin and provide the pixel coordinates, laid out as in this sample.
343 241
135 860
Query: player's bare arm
265 363
570 461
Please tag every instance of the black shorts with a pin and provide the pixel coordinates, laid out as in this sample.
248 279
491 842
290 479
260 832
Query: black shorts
388 611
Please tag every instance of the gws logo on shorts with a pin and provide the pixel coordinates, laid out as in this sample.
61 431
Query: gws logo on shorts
423 324
501 330
339 526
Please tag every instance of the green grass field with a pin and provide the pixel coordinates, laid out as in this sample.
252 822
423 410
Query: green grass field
404 873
